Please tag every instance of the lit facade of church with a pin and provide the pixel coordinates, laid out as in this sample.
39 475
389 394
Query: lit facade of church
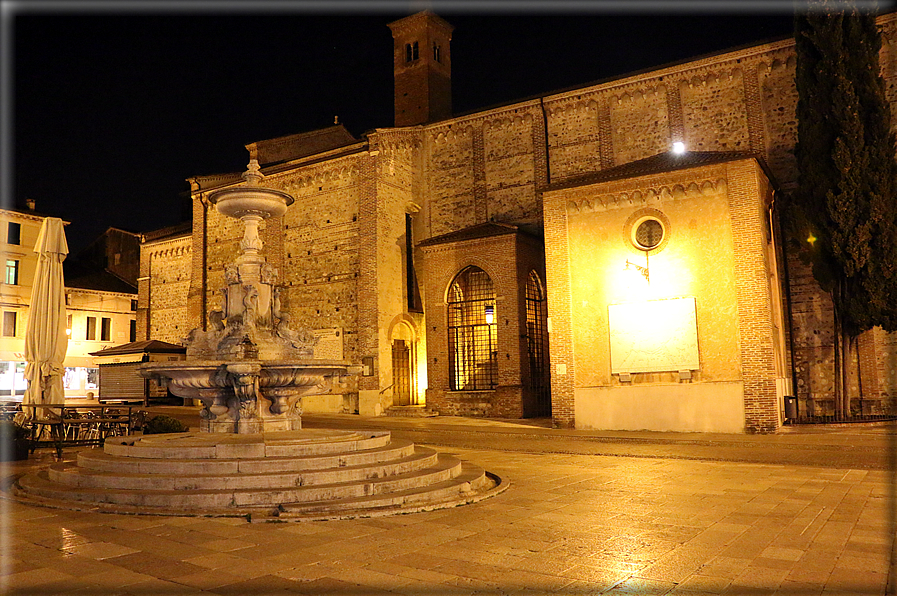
549 257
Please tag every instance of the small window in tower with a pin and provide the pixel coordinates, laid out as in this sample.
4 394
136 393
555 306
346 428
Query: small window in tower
437 53
411 51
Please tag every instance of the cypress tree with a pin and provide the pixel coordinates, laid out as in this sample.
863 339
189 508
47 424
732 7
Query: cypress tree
844 210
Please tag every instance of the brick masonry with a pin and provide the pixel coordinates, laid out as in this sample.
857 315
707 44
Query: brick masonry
340 246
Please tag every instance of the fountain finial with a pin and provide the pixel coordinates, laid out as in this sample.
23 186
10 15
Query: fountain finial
253 176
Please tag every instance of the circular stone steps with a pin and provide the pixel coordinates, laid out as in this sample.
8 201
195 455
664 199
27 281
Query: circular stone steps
302 474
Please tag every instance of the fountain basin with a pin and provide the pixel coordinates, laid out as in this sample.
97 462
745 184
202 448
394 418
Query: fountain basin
247 396
242 201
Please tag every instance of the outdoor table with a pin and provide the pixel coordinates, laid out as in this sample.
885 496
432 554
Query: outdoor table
60 427
9 410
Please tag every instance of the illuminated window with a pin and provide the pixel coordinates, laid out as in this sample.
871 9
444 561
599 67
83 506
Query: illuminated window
472 331
12 272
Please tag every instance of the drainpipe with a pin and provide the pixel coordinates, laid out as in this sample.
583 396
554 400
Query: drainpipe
547 155
772 210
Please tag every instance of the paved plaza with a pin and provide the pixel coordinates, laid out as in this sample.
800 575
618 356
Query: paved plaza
803 512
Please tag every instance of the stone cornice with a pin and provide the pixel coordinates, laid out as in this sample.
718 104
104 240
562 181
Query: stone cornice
11 214
395 139
168 246
470 121
125 295
646 196
467 243
644 191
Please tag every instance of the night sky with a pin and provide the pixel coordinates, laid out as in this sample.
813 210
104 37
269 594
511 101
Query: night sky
113 110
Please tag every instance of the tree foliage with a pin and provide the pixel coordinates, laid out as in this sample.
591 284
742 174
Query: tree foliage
844 209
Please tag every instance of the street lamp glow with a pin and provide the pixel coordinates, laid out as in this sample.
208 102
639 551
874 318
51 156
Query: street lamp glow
678 147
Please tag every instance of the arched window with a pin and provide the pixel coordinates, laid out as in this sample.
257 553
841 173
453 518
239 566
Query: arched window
472 332
537 344
411 51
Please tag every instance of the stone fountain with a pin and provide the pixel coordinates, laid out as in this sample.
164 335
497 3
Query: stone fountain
249 369
252 458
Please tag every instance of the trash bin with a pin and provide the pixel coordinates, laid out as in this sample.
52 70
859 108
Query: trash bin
790 407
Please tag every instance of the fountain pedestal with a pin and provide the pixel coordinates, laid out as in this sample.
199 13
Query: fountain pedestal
249 368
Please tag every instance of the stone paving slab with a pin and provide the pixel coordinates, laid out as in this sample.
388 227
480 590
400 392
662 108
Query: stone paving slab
569 524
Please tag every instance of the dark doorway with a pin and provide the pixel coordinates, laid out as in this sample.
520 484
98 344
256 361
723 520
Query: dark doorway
401 373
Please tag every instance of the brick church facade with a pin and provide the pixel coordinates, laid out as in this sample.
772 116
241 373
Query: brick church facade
549 257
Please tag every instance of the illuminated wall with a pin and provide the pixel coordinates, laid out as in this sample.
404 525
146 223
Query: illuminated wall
676 349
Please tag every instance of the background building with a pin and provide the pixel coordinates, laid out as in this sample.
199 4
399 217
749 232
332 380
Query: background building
427 251
100 307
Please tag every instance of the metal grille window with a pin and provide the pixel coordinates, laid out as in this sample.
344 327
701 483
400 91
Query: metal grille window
537 344
472 332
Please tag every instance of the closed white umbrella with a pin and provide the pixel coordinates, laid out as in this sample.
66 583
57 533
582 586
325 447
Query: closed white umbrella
45 338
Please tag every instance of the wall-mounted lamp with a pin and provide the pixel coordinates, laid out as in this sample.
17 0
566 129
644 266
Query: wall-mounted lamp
68 332
678 147
490 314
639 268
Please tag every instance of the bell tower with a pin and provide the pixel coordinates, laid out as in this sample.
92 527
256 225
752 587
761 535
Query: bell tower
422 67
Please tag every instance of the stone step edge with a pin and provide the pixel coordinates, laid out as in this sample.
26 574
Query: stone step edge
263 514
498 486
420 459
471 475
410 412
96 459
131 447
41 486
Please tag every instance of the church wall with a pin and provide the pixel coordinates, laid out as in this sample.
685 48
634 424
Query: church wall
339 248
714 112
394 199
496 255
451 179
778 97
713 253
162 293
320 258
574 139
639 122
743 100
509 170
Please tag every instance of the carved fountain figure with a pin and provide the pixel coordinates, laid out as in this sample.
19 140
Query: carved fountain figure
249 368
